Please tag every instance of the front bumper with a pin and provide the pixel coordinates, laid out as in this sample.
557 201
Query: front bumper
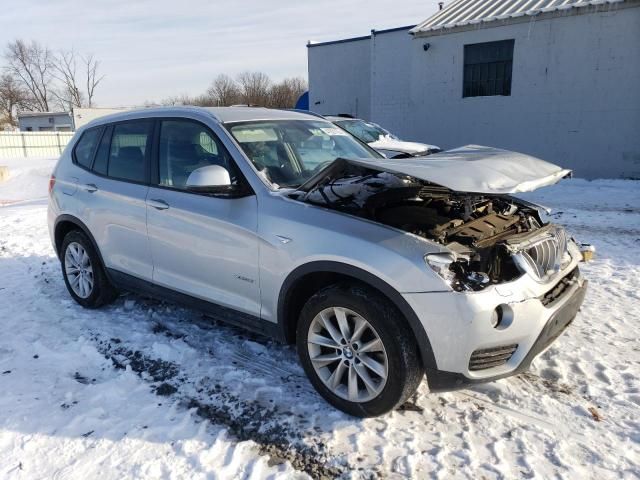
440 380
459 324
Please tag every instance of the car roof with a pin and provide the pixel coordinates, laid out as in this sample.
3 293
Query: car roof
221 114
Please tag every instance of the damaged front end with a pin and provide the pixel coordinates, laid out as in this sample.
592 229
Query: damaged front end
488 238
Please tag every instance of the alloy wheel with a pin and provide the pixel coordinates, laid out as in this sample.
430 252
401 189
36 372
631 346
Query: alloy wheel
347 354
78 269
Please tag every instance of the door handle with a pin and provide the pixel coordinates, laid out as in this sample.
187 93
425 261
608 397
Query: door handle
158 204
89 187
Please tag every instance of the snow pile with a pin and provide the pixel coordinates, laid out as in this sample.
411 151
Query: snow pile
143 389
28 179
387 142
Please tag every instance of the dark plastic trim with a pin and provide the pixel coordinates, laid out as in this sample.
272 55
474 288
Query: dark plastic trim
228 315
78 223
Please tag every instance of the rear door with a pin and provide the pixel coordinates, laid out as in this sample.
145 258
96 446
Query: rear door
113 192
203 245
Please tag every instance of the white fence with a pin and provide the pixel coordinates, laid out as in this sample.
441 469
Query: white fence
33 144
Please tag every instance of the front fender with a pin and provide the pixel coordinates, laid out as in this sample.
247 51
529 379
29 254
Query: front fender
298 274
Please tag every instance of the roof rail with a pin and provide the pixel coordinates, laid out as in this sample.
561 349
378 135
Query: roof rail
308 112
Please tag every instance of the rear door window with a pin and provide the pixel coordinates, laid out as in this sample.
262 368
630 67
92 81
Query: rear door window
86 147
130 147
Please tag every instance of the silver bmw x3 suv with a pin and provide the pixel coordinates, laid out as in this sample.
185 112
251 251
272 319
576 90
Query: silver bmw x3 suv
380 270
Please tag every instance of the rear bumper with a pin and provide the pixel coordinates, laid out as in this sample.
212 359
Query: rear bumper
441 380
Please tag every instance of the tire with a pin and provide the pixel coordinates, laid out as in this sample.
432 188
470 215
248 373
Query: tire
398 351
76 250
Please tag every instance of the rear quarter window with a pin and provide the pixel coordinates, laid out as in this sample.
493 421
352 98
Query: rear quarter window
86 146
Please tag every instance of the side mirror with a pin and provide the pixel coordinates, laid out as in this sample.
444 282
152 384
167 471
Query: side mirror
210 179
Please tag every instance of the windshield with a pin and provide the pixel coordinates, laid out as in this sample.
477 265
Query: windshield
289 152
364 131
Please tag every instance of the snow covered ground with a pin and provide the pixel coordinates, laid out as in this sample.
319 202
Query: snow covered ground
28 179
144 389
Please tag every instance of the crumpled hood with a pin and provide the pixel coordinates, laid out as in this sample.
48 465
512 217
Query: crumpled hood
388 143
475 169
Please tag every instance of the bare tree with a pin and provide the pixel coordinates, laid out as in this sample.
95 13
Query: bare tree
224 91
251 88
65 68
92 78
177 100
76 89
204 100
254 88
298 86
285 94
32 66
12 97
184 99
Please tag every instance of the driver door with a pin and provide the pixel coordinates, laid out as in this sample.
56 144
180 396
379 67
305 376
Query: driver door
202 245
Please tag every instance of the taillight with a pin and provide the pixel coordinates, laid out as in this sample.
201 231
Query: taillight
52 182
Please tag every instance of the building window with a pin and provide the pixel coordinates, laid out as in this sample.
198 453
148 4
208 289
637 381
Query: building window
487 69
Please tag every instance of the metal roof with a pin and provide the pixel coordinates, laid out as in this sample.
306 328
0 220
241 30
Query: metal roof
473 12
43 114
311 44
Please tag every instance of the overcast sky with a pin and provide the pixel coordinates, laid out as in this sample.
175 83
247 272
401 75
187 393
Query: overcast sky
152 49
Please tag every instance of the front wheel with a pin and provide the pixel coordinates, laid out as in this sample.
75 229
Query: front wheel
357 350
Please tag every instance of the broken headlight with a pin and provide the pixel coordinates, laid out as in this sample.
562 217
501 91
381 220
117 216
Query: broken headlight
455 272
441 264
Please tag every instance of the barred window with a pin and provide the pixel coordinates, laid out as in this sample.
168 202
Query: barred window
487 69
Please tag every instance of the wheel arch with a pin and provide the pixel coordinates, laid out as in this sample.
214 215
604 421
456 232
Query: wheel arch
307 279
67 223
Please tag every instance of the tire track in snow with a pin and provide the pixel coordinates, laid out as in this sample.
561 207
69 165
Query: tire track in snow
525 417
269 427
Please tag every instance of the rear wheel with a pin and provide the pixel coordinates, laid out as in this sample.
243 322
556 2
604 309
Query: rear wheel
83 273
357 350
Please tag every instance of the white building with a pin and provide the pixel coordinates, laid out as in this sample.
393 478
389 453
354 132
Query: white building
45 122
62 121
558 79
82 116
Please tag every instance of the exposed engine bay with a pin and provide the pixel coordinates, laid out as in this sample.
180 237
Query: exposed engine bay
476 227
